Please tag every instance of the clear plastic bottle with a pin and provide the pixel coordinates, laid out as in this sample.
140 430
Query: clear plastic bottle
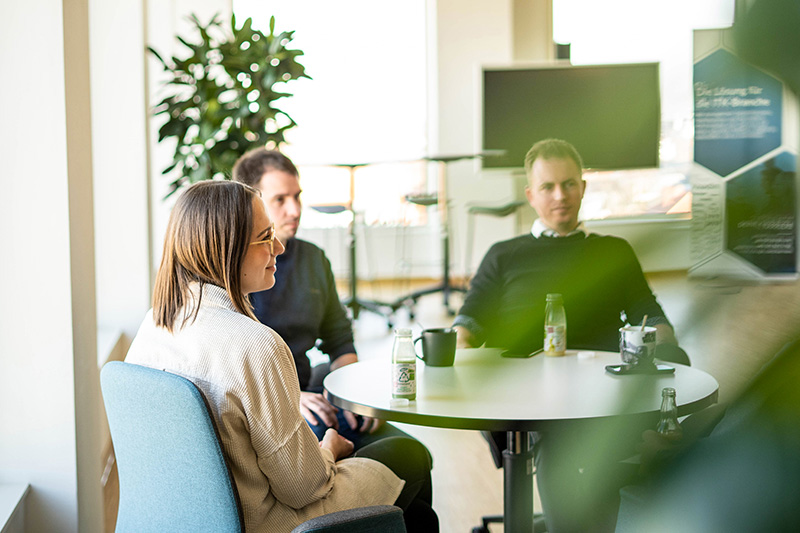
404 366
555 326
668 425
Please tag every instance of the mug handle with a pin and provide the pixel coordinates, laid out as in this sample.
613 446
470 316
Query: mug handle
421 357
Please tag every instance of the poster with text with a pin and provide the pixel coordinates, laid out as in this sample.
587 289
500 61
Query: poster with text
744 178
760 220
737 113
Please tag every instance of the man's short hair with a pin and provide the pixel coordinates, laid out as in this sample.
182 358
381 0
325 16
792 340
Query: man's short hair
551 149
250 168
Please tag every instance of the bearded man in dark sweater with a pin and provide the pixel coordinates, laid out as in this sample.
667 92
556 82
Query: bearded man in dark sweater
603 287
303 307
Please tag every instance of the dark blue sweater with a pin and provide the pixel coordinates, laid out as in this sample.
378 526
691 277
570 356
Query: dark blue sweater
598 276
304 308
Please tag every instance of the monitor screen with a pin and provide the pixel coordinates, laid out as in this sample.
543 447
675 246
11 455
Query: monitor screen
610 113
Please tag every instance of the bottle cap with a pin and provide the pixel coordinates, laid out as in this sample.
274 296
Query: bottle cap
553 296
403 332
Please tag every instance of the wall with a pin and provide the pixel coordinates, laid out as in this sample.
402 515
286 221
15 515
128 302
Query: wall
119 159
48 373
469 35
80 142
382 252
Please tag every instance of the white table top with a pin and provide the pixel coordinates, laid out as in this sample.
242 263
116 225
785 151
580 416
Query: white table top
485 391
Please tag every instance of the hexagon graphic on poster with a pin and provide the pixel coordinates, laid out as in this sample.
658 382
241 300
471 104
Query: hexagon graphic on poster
760 215
738 112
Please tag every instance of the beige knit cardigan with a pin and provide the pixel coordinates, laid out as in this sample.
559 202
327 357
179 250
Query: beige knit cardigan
248 376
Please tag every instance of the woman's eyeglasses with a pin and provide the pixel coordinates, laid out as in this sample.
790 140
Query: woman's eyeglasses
269 241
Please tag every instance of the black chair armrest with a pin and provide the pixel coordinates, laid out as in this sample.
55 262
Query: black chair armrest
376 518
672 353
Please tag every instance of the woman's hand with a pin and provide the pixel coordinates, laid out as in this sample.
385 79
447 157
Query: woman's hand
339 446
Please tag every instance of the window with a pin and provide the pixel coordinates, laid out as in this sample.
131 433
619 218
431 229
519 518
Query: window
632 31
366 103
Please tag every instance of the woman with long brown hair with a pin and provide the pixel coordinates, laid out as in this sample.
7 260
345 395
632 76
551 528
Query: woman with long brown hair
220 247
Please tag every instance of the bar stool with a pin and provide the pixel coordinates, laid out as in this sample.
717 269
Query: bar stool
440 198
446 287
355 303
500 211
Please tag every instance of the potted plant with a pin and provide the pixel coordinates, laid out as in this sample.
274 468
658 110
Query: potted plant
221 99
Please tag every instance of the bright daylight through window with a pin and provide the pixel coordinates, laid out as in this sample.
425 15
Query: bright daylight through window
632 31
366 103
360 106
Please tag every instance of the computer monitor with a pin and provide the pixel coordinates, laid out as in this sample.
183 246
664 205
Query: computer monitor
610 113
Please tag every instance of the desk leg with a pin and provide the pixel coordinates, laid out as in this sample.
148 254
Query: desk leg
518 483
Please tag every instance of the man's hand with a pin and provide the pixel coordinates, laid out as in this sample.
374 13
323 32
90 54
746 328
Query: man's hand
464 337
344 360
368 425
312 403
665 334
339 446
654 443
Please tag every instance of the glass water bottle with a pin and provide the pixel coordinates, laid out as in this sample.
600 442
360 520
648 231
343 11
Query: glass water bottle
668 425
555 326
404 366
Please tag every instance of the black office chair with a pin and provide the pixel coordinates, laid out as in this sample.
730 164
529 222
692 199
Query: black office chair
538 523
497 211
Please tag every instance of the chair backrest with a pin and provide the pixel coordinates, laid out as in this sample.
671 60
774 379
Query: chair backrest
172 471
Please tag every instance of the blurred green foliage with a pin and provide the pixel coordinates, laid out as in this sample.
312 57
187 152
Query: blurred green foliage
222 98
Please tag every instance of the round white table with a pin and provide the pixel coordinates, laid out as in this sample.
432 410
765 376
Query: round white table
485 391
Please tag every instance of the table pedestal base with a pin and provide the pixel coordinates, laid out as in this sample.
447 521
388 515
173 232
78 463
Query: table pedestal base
518 483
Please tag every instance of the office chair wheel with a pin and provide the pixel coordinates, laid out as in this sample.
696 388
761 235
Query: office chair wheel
484 527
539 525
412 306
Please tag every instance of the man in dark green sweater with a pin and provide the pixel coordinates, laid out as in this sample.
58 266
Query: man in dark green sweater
599 276
602 284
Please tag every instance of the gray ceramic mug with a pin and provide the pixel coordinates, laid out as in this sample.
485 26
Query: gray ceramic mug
438 346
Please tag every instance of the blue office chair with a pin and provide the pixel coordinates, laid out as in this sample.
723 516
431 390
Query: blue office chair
172 472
